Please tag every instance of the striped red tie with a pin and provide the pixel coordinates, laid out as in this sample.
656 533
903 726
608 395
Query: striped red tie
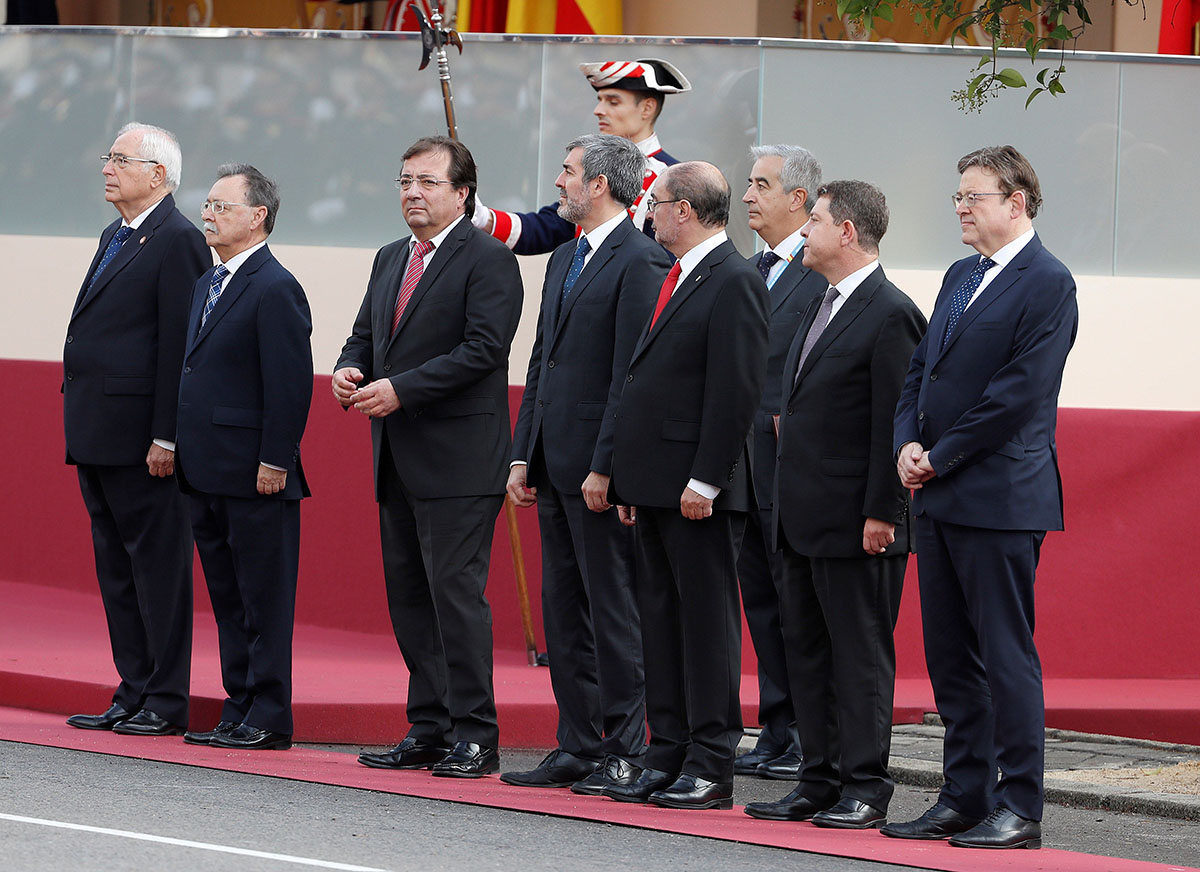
412 276
668 288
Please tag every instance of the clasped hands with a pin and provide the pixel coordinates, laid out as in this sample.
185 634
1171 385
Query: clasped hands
913 466
374 400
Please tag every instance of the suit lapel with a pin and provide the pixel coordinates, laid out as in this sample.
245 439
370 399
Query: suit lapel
791 278
600 257
683 290
126 254
233 290
441 256
793 356
841 320
556 274
1007 277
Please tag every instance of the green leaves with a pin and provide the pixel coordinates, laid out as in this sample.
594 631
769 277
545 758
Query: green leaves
1010 78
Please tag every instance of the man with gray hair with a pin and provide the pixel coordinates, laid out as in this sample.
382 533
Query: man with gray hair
121 366
779 194
598 294
840 517
243 405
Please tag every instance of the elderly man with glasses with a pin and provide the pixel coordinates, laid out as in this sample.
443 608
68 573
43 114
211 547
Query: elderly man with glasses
121 367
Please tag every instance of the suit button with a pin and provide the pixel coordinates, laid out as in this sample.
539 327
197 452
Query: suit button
789 410
540 403
550 365
70 377
920 416
387 367
187 369
630 378
70 339
933 377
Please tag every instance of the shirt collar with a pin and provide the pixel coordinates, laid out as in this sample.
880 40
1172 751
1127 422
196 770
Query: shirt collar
137 222
850 283
650 145
1008 252
235 263
691 259
788 247
440 238
599 234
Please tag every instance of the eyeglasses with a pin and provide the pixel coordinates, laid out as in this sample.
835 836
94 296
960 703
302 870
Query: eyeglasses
218 207
653 202
973 198
122 161
427 183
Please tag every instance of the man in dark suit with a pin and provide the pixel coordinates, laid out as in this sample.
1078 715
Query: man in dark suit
974 435
841 518
779 195
598 294
243 404
427 362
681 473
629 99
121 364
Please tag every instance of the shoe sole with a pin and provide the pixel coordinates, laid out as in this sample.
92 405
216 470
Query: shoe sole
688 806
762 816
623 798
550 784
830 825
924 837
174 732
1033 844
188 741
376 765
795 776
451 774
270 746
91 726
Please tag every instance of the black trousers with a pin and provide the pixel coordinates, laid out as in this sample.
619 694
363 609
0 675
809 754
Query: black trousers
143 546
838 620
593 634
435 565
760 575
691 639
250 551
977 608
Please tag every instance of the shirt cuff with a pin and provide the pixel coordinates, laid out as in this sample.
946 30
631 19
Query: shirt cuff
163 443
708 491
517 463
272 466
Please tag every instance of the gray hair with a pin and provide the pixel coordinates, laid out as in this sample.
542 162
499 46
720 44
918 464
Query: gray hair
260 191
161 146
800 169
863 205
617 159
1013 171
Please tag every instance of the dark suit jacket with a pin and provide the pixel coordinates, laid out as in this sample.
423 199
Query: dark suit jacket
693 385
986 405
448 362
836 466
581 355
788 299
247 383
125 341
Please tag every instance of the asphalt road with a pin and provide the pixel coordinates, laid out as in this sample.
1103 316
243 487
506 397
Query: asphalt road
294 825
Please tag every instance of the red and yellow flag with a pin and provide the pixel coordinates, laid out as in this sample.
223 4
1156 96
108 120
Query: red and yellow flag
563 16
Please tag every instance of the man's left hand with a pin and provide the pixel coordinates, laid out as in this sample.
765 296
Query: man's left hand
160 461
693 506
271 481
877 535
376 399
595 492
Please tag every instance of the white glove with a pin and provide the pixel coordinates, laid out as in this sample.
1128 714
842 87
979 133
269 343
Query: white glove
483 215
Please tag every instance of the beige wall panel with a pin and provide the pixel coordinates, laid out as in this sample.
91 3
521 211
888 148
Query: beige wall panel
689 18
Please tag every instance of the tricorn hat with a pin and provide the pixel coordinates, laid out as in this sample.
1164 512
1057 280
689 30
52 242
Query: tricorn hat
644 74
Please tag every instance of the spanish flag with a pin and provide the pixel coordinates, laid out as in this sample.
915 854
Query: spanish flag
563 16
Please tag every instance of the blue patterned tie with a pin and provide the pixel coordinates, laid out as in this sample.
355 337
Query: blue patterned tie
214 291
114 246
962 296
581 251
767 260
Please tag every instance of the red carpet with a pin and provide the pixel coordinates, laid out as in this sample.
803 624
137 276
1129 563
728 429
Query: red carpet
328 767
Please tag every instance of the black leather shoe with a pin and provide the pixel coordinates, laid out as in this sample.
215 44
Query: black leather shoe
748 763
785 767
850 814
409 754
147 723
467 760
205 738
558 769
244 737
639 790
106 721
792 807
1001 829
614 772
938 822
692 791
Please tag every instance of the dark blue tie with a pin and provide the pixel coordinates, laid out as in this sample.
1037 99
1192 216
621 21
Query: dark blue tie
581 251
767 260
114 246
962 296
214 291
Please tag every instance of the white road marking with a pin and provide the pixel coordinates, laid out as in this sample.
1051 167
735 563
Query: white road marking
184 843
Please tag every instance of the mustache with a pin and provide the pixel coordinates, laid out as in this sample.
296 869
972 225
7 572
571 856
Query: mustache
208 225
